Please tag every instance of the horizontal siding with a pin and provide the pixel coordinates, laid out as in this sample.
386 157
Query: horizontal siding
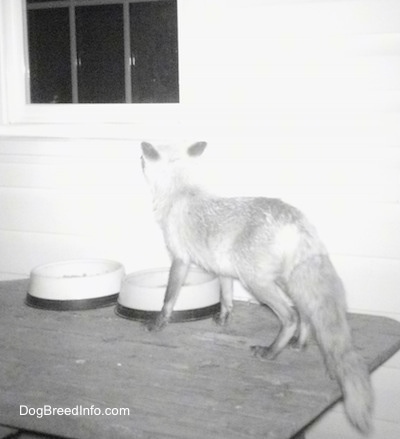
63 200
20 251
340 173
358 229
369 230
60 191
76 211
371 283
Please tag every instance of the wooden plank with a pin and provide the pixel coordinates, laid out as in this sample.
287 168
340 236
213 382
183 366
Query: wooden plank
7 432
33 435
192 380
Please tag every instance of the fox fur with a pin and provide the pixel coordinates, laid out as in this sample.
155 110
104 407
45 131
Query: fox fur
273 250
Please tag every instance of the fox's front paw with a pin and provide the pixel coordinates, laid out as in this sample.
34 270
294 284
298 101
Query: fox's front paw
157 323
263 352
221 318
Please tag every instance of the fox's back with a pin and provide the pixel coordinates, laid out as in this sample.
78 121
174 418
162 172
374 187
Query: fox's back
225 234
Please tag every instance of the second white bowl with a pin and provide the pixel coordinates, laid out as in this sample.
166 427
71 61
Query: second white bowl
142 295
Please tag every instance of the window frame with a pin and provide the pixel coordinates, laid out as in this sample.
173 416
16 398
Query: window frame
17 111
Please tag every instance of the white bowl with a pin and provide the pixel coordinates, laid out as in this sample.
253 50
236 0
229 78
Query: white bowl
75 284
142 295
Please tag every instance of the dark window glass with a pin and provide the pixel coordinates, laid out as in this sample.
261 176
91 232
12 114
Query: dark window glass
103 52
100 44
49 55
154 45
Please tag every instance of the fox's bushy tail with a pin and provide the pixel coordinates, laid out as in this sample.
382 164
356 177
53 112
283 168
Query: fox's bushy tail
319 295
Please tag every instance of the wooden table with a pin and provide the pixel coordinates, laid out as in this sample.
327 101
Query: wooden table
192 380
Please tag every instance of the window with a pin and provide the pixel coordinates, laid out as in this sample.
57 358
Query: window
103 51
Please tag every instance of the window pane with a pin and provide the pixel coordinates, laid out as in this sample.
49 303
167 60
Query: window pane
154 45
100 45
49 55
87 60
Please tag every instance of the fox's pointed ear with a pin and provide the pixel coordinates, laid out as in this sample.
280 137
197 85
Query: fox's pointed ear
196 149
150 152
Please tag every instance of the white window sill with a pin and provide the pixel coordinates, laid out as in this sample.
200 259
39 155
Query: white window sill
18 118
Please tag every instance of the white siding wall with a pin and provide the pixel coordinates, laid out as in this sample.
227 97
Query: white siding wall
299 100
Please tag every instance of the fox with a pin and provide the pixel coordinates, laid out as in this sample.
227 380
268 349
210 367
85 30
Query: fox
273 250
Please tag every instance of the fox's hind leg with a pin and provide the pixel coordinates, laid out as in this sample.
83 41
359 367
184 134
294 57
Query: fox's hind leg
302 334
226 284
276 299
300 338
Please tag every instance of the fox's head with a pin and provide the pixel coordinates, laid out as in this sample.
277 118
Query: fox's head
167 167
